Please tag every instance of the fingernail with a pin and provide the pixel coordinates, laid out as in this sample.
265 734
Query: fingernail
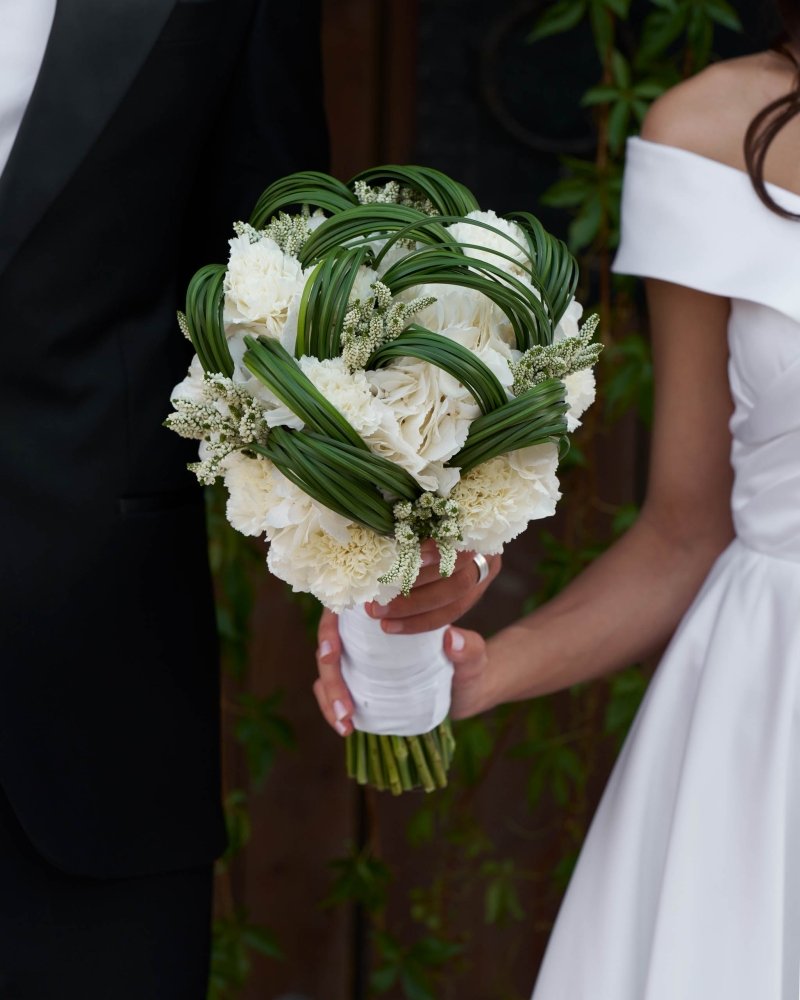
429 558
392 627
341 728
456 641
339 710
325 649
378 610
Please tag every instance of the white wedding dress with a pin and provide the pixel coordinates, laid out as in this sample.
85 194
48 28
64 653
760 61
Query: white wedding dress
688 886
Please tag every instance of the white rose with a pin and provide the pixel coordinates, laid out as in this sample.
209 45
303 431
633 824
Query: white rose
497 499
261 284
250 486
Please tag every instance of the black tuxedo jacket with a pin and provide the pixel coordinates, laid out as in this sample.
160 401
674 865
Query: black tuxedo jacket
153 125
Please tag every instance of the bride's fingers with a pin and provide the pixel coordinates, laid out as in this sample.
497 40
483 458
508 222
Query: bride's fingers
464 649
330 690
342 725
431 605
467 650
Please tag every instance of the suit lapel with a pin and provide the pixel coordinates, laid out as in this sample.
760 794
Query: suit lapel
95 49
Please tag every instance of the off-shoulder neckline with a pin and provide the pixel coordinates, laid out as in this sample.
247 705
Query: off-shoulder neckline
716 163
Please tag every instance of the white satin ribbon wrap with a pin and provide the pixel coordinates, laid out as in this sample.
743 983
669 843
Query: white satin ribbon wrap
400 684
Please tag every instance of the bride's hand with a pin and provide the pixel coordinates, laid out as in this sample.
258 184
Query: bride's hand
471 677
433 602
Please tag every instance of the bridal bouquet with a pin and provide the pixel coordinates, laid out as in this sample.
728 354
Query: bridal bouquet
382 363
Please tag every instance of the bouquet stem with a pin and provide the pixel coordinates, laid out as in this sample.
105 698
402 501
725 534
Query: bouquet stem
401 763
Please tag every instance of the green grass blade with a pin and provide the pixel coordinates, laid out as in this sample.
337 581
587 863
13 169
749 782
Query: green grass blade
366 223
556 268
340 488
450 356
309 187
205 299
270 362
448 197
325 302
534 417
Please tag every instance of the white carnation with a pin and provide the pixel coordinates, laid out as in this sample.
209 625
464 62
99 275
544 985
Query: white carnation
497 499
467 316
504 238
580 386
349 393
339 573
193 386
316 219
317 551
261 284
362 286
426 419
433 410
395 253
580 395
291 508
250 486
569 324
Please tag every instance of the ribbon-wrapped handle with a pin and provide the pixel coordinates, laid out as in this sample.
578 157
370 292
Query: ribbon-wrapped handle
400 684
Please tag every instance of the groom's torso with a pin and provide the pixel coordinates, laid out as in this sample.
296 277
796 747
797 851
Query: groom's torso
152 125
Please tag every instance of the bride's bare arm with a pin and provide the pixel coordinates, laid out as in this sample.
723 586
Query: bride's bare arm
628 602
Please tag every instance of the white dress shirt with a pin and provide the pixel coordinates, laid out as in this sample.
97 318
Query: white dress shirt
24 29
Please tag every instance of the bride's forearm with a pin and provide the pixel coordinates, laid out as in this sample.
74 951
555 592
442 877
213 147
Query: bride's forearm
623 607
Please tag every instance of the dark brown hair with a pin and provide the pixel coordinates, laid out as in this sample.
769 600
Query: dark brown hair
770 120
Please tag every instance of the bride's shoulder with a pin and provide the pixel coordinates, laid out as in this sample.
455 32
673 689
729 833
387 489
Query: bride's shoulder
709 113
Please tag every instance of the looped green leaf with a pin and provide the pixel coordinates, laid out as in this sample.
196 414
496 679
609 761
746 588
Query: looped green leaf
333 481
448 197
556 268
205 299
272 364
324 303
363 224
528 315
534 417
450 356
309 187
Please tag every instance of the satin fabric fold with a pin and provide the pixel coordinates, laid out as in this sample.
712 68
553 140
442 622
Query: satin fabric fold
688 885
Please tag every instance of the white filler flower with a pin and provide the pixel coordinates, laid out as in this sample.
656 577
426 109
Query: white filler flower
581 385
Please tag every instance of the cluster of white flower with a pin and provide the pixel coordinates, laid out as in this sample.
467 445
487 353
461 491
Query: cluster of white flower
410 412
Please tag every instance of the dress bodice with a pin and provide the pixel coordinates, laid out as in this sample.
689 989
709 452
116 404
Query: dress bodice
697 222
